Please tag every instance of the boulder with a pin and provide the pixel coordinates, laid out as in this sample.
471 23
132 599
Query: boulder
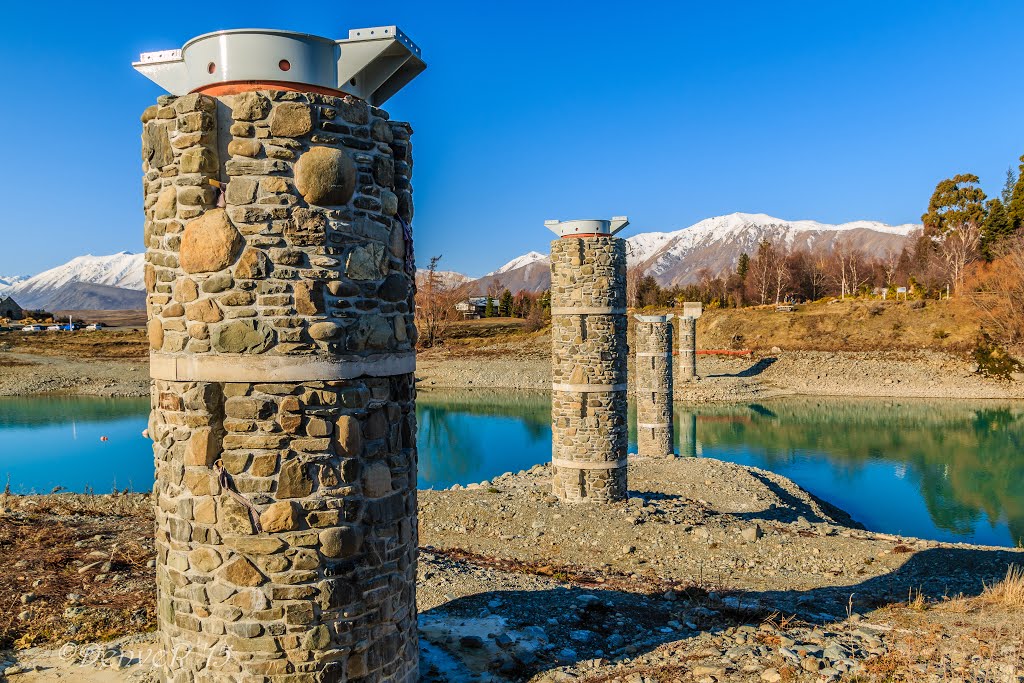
209 243
325 176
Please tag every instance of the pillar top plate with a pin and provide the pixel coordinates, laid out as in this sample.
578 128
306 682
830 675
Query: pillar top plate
654 318
372 63
587 226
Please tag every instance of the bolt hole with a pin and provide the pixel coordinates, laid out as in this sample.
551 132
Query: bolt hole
352 82
211 67
284 65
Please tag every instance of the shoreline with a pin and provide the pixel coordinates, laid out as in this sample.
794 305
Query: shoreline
866 374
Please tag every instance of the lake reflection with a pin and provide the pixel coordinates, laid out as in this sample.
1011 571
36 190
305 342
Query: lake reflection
947 470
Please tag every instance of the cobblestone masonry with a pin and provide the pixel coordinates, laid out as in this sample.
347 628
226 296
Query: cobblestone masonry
687 349
653 389
589 356
281 326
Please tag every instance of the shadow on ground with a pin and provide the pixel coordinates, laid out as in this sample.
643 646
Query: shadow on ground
753 371
515 635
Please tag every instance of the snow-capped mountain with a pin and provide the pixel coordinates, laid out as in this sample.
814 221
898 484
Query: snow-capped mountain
715 244
8 281
519 262
448 278
109 282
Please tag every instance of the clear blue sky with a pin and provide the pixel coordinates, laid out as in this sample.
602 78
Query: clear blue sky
667 112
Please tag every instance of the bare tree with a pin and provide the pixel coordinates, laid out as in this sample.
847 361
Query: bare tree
849 271
818 274
781 274
762 271
634 275
435 304
997 290
890 263
959 249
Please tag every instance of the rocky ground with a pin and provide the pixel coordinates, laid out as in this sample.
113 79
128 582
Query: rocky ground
710 572
23 374
903 374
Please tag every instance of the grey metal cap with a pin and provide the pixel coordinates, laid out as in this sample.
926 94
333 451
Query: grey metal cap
372 63
587 226
654 318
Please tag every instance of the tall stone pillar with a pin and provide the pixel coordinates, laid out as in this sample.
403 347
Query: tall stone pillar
590 432
653 386
687 349
279 280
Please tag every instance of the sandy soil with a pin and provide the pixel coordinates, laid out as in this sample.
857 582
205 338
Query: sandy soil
710 572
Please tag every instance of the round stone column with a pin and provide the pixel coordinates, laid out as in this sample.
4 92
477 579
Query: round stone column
653 388
687 349
280 297
590 432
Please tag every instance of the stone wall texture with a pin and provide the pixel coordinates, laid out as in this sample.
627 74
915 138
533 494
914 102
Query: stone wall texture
653 388
283 402
589 357
687 349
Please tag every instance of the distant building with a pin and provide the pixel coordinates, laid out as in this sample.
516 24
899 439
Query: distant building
474 307
10 309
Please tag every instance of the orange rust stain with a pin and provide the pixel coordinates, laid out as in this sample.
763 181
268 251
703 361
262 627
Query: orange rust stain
236 87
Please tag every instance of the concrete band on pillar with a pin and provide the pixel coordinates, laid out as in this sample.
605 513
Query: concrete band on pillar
653 393
281 326
589 357
185 368
591 310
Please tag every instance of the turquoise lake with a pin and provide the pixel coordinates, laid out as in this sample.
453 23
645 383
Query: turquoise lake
943 470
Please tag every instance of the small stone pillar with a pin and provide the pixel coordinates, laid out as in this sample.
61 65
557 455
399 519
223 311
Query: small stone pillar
590 432
279 279
653 386
687 349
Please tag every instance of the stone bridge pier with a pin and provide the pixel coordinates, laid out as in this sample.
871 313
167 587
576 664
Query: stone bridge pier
279 279
589 426
687 349
653 386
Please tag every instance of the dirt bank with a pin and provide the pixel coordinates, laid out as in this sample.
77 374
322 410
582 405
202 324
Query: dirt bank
711 572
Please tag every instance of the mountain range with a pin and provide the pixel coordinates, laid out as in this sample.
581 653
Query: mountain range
672 258
114 282
715 244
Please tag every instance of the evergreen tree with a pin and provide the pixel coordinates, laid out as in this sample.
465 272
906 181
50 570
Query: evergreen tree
743 266
489 308
996 227
955 202
1007 193
1015 207
505 307
545 300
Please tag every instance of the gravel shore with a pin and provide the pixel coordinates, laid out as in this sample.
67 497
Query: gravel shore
899 374
710 572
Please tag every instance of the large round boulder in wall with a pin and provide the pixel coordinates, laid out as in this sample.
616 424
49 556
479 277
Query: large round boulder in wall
325 176
210 243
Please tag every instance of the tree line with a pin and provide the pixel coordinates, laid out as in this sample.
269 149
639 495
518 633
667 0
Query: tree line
970 246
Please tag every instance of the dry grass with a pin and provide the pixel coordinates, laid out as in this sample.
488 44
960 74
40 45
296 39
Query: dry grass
106 344
851 325
1006 593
